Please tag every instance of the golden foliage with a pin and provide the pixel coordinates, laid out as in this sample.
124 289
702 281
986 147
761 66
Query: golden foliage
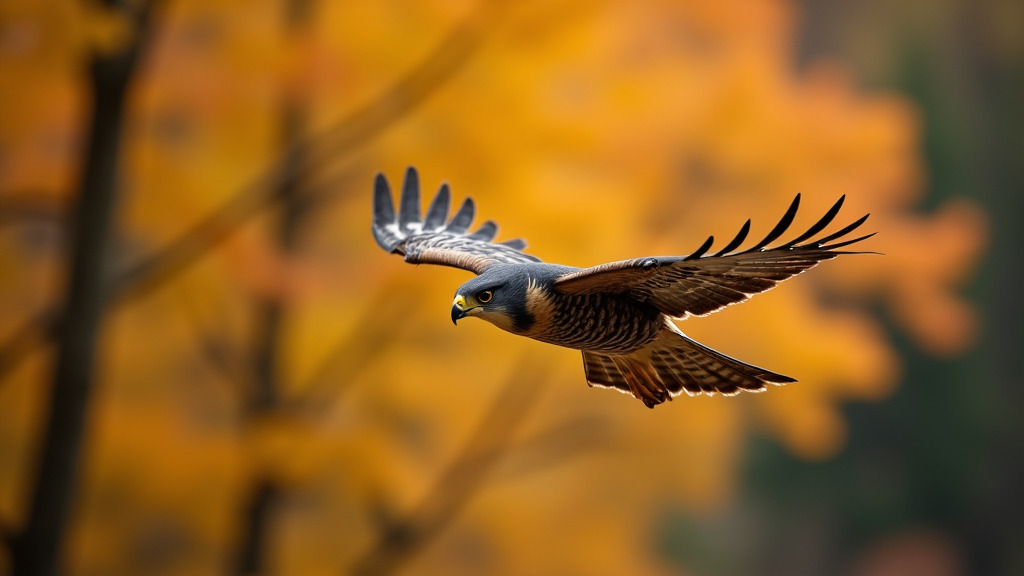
597 131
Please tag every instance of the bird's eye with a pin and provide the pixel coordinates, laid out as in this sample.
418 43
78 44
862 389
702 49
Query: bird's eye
485 296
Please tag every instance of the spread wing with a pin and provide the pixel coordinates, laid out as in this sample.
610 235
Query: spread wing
435 239
697 285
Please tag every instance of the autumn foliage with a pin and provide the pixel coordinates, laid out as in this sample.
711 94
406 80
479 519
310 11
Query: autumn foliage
291 362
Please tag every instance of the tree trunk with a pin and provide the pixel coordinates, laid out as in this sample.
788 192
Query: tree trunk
38 548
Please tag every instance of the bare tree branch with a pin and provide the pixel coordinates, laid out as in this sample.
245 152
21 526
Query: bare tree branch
402 539
258 511
344 137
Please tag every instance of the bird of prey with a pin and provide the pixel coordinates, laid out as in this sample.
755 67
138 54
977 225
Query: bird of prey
618 314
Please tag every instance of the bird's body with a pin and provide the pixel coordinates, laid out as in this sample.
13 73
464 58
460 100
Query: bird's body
618 314
599 322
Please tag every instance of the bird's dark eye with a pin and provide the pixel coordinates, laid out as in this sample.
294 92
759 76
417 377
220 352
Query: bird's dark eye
485 296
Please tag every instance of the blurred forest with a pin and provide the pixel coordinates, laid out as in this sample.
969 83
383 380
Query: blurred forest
207 366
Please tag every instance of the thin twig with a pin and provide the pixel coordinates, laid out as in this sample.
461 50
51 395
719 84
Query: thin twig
457 485
344 137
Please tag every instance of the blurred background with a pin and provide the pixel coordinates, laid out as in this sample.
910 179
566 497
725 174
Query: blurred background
208 367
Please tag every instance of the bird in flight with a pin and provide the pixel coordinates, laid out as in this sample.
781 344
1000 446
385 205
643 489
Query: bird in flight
618 314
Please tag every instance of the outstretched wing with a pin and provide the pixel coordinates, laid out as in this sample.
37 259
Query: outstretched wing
435 239
697 285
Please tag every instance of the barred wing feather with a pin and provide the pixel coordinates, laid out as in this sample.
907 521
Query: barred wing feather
435 239
680 286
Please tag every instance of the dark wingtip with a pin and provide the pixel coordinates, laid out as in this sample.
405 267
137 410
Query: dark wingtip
486 232
781 227
383 207
515 244
437 214
740 237
703 248
384 229
819 225
409 209
463 218
856 224
848 242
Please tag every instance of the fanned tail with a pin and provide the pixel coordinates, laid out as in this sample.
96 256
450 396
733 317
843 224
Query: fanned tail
672 364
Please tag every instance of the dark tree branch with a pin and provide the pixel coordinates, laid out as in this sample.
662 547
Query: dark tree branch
257 517
265 395
271 310
404 538
341 139
38 550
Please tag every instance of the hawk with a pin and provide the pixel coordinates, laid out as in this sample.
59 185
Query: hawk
618 314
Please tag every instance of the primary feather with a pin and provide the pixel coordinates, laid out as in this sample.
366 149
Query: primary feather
698 285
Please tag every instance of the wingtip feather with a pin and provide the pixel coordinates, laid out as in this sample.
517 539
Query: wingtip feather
463 217
781 227
515 244
486 232
848 242
740 237
850 228
819 225
383 206
409 208
703 248
437 214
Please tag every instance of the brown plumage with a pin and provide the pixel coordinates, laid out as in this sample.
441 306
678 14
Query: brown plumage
618 314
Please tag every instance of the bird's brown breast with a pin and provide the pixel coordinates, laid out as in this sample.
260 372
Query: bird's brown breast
599 322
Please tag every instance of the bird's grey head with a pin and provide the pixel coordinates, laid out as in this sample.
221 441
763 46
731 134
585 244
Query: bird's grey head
497 296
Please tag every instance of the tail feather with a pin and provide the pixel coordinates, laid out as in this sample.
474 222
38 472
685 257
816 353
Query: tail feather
673 364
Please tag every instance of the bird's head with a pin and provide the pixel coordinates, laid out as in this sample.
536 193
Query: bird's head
497 296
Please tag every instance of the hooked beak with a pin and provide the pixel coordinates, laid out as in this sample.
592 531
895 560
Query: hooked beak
459 309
